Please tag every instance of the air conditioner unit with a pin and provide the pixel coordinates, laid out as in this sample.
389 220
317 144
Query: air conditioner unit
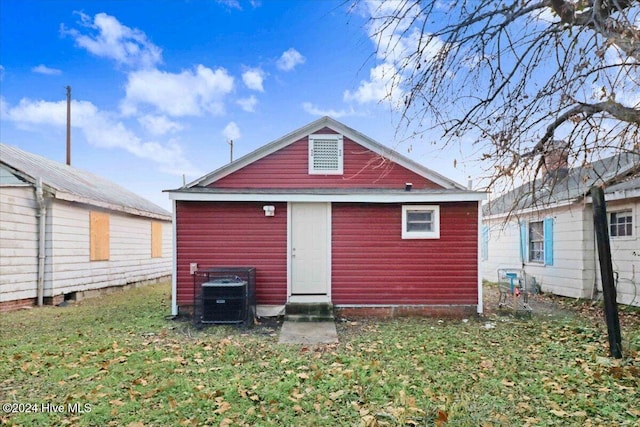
225 295
224 301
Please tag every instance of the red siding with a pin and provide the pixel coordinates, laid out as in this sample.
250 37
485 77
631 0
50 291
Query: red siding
288 168
233 234
373 265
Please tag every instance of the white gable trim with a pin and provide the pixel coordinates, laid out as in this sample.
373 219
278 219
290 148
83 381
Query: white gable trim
404 197
313 127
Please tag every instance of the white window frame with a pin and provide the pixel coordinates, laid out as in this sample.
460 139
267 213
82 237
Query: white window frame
535 246
435 231
334 137
619 211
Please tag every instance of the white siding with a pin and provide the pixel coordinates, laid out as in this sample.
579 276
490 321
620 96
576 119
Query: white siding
18 243
575 270
572 271
130 251
625 257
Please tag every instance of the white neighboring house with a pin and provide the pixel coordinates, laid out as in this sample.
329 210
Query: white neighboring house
65 233
552 235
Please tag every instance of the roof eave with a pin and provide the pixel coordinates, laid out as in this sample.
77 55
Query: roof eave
69 197
338 197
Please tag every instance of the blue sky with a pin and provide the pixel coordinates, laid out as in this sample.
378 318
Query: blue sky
158 87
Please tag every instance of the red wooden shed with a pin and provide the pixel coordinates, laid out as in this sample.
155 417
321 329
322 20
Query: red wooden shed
325 214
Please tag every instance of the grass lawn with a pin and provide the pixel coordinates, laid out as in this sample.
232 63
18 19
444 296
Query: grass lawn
117 360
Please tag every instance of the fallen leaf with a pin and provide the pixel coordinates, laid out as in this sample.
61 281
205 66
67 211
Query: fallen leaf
336 394
558 413
172 403
486 364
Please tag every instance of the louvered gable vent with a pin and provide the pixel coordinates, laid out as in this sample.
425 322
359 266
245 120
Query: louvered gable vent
325 154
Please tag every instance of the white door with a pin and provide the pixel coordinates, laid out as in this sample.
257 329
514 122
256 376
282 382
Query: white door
310 249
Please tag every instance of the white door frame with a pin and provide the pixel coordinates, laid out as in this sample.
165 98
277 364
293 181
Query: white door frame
307 298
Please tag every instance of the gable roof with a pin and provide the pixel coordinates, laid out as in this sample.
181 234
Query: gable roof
315 126
75 185
620 174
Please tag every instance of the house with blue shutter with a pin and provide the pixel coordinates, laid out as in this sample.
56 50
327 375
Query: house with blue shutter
545 228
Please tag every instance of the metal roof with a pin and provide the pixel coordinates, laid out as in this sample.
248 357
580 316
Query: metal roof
68 183
615 173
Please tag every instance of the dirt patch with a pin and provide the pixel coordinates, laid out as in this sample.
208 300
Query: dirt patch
539 304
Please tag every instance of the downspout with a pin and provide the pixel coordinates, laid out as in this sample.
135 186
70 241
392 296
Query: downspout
174 267
480 307
42 228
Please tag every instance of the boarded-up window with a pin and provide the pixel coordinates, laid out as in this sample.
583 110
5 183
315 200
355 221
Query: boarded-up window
156 239
99 236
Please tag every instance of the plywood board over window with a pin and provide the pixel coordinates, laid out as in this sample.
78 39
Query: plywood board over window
156 239
99 236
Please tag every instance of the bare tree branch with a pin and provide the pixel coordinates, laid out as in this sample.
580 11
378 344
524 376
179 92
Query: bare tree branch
516 76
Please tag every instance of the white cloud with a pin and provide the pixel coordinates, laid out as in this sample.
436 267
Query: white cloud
159 125
231 4
290 59
43 69
336 114
4 108
231 131
100 129
253 79
126 46
381 86
248 104
394 44
235 4
189 93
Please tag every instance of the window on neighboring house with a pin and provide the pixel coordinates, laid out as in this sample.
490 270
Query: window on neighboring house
621 223
156 239
536 242
325 154
484 242
420 222
98 236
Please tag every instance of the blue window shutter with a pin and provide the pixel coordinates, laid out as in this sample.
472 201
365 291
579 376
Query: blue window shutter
485 243
548 241
523 242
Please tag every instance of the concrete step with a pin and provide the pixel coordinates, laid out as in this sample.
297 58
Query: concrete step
309 312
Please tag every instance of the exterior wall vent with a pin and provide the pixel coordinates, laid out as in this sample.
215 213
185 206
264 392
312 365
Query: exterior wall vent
326 154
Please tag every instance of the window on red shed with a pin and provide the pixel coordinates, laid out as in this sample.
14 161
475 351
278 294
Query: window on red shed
420 222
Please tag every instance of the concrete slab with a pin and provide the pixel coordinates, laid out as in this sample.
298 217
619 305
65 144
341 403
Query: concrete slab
308 333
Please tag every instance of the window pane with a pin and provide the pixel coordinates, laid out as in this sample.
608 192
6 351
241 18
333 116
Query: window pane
621 223
419 216
419 221
536 241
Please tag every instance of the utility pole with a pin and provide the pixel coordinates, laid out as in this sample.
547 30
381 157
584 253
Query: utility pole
230 142
606 272
68 125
